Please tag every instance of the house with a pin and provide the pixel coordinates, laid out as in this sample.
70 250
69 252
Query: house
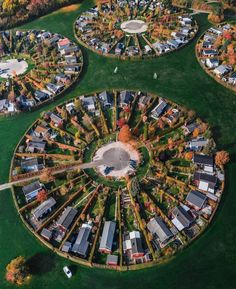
210 52
132 244
144 101
31 165
196 199
44 209
57 121
41 131
89 102
36 147
232 78
66 219
61 77
66 247
126 97
222 70
212 63
112 260
63 43
107 237
40 95
173 43
69 50
5 106
31 191
161 47
147 49
205 161
182 218
205 182
172 116
197 144
70 107
46 234
189 128
71 59
159 109
81 244
159 229
54 88
106 99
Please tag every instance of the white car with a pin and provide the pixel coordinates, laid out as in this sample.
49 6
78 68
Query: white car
67 271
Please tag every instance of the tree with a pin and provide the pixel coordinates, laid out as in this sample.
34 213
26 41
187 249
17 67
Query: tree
222 158
125 134
189 156
17 271
42 196
47 176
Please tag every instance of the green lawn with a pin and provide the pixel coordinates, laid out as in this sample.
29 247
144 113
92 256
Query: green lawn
209 262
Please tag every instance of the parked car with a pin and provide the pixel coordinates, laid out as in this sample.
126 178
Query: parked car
67 271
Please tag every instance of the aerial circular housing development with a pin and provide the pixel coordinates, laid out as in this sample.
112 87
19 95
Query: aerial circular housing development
117 179
35 67
129 29
215 51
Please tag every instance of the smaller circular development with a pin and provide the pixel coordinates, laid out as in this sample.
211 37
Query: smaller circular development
134 26
215 51
118 180
134 29
36 66
115 159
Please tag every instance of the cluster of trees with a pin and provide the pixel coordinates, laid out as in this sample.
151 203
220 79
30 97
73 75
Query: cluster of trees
13 12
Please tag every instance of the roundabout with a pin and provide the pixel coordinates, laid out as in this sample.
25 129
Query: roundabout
145 168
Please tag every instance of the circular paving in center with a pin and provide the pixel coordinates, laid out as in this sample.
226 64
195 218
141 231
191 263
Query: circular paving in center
116 156
12 67
134 26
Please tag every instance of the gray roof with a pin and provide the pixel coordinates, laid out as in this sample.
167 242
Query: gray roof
126 97
157 111
43 208
203 160
37 145
67 217
25 163
46 233
66 247
32 187
81 244
183 216
112 259
205 177
157 227
196 198
108 235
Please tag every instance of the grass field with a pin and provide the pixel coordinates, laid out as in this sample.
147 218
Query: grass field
209 262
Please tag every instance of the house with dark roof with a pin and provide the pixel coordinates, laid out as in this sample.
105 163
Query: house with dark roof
189 128
107 237
159 109
44 209
66 219
31 165
81 244
46 234
132 244
126 97
159 230
204 161
205 182
31 191
36 146
106 99
144 101
196 199
57 121
182 219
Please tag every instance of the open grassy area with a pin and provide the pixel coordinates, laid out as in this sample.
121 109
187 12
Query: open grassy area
209 262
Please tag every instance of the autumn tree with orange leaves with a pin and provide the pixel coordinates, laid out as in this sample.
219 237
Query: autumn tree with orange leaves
17 271
222 158
42 196
125 134
47 176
